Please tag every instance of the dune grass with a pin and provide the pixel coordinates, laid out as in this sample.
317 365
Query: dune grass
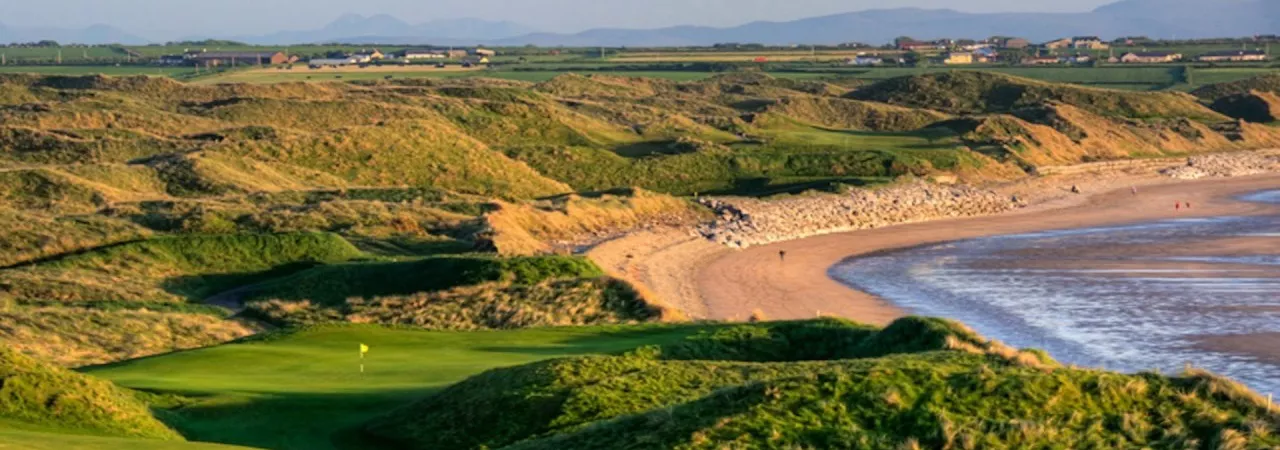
34 392
303 390
919 383
331 284
174 268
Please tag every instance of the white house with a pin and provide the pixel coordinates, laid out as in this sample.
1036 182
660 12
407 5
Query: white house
866 60
333 62
424 54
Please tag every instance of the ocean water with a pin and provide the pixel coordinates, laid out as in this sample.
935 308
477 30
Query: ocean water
1129 298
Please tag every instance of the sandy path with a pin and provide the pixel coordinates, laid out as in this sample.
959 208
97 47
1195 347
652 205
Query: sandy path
707 281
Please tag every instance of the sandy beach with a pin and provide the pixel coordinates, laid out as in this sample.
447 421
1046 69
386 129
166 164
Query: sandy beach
708 281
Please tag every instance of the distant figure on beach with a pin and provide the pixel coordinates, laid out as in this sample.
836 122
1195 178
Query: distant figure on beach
1177 206
1075 189
1188 205
782 255
1135 190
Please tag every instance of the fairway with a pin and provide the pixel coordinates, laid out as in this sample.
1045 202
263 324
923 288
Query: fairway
305 390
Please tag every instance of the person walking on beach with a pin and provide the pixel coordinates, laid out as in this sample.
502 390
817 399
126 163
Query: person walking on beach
782 255
1177 206
1135 190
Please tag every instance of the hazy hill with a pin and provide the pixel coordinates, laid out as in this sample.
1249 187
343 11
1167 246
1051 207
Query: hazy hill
94 34
385 28
1156 18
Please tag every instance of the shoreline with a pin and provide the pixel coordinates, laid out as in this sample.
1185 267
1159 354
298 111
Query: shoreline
705 280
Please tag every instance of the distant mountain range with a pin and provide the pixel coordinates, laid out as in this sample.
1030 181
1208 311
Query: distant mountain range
1154 18
384 28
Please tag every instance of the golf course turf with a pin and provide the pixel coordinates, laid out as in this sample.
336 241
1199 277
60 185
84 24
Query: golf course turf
304 390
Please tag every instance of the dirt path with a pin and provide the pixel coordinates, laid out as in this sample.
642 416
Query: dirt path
710 282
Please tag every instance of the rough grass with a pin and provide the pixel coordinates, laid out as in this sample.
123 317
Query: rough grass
1264 83
855 115
34 392
828 384
981 92
80 336
30 235
333 284
1254 106
560 302
526 229
171 268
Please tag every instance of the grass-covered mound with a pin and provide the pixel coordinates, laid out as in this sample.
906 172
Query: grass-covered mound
970 92
1253 106
919 383
1263 83
101 332
30 235
486 306
171 268
535 228
332 284
854 114
35 393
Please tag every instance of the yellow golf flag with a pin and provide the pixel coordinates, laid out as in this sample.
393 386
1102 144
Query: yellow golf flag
363 349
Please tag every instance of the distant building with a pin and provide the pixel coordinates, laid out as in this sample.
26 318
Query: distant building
317 63
1012 43
865 60
1150 57
958 58
424 54
915 46
239 58
1088 43
172 60
484 52
365 57
1041 60
1234 56
1058 44
1079 59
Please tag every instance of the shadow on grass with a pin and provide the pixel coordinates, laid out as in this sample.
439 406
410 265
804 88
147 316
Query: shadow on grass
618 341
196 288
289 421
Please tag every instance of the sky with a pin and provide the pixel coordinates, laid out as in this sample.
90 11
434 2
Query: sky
163 19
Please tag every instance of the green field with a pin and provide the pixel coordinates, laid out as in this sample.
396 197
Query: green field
104 70
310 387
1115 77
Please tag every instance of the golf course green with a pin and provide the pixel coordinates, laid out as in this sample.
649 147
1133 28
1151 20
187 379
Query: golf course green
304 389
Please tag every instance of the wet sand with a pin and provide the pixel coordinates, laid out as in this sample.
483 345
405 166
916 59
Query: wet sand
735 284
1260 345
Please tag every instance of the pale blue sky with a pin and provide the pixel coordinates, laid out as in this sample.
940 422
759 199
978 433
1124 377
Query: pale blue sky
161 19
